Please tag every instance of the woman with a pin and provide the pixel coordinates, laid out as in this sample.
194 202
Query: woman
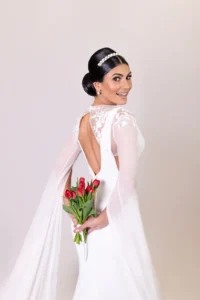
118 264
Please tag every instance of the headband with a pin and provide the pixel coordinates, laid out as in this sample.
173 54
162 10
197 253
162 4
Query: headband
107 57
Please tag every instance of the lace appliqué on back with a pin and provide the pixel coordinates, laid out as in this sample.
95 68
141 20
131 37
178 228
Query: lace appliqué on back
97 120
98 115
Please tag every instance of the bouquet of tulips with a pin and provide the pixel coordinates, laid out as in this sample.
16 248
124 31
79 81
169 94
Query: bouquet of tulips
81 203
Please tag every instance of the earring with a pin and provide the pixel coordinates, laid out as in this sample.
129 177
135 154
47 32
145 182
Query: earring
99 93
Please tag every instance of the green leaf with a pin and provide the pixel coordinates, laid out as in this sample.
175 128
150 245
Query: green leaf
75 204
68 209
90 196
92 213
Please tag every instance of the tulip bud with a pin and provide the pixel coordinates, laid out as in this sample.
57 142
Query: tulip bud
73 193
68 194
80 191
96 183
82 185
88 189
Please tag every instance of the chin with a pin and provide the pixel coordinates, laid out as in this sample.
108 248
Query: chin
123 102
120 102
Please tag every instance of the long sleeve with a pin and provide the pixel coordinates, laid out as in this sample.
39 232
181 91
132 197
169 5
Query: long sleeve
34 275
125 135
67 156
124 215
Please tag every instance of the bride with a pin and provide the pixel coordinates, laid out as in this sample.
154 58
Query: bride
115 264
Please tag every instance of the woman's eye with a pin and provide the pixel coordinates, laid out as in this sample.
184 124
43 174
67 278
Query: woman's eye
115 78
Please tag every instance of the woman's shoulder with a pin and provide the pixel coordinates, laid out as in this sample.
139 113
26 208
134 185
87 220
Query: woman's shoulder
124 116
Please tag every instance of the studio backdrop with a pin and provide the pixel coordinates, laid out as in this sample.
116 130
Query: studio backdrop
45 47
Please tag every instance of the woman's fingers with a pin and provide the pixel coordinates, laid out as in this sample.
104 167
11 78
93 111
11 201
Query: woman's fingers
92 229
75 222
90 223
73 219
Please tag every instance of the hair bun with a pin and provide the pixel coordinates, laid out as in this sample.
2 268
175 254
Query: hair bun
88 85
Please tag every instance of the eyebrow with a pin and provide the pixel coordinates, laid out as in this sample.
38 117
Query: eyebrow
120 74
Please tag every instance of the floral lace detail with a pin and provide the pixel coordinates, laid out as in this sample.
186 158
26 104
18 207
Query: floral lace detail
98 115
123 117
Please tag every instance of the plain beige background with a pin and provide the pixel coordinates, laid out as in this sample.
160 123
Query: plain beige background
45 47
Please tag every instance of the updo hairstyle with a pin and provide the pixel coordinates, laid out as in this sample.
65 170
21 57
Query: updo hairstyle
96 73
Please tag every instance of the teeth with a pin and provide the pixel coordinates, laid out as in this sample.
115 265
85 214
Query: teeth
122 94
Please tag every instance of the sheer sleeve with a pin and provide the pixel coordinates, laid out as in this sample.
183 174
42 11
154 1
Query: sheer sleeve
125 136
67 156
124 215
34 275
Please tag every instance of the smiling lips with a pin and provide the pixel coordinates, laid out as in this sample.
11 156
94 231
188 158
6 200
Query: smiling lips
122 94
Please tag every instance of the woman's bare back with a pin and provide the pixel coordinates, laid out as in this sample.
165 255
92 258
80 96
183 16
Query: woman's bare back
90 145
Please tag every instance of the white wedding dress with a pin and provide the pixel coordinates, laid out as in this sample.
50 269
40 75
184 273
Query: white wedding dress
118 264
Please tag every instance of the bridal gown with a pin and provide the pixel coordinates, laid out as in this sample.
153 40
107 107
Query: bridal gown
106 274
118 265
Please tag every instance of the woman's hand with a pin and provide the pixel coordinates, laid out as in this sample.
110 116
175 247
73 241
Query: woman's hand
92 223
73 219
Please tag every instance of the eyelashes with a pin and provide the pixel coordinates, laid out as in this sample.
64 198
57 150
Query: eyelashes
115 78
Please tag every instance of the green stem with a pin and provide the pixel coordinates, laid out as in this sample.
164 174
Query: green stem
85 234
77 238
82 200
75 213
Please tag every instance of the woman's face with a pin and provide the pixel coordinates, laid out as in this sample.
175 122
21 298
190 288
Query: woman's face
116 85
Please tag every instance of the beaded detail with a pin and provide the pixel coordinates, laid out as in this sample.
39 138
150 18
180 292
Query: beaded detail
107 57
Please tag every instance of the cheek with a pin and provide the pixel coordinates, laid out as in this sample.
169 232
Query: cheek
112 87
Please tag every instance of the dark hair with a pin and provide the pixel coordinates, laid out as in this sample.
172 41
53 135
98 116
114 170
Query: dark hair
96 73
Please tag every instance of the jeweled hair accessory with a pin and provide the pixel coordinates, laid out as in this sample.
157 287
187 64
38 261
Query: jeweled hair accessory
107 57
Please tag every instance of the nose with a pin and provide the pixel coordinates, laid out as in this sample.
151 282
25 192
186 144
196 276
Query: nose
126 85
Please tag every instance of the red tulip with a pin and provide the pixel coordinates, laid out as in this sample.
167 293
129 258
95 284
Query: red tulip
96 183
89 189
68 194
82 179
80 191
73 193
82 184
